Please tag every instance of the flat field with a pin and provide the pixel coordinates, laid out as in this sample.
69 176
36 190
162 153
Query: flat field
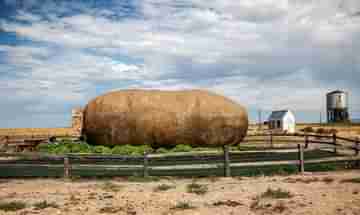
36 131
311 194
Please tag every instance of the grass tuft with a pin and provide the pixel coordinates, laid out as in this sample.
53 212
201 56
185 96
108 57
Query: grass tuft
199 189
229 203
12 206
44 204
74 200
256 204
276 194
280 207
109 210
328 180
163 187
111 187
183 206
351 180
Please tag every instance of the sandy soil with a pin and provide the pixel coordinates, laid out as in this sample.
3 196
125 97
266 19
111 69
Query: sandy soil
316 194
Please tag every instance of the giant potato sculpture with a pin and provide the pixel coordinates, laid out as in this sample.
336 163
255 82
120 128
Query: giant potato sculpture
164 118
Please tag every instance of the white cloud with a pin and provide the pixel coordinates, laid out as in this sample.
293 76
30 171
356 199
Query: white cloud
263 53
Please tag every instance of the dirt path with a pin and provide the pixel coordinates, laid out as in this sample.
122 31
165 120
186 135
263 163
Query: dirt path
315 194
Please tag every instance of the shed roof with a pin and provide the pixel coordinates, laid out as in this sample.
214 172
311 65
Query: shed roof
335 92
276 115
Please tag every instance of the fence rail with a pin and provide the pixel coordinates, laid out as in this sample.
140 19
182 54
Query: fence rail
222 163
226 163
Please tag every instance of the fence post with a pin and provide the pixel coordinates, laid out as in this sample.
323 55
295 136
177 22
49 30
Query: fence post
306 141
67 167
301 158
6 140
334 139
271 140
146 165
227 170
357 144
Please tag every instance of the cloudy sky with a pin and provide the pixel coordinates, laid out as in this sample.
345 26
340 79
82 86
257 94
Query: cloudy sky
264 54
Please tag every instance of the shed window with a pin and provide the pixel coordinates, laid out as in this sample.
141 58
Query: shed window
278 124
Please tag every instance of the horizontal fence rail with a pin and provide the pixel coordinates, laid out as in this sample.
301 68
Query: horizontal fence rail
221 163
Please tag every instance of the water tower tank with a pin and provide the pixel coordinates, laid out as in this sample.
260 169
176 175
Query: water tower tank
337 106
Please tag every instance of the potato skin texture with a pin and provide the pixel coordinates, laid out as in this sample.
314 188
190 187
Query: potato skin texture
164 118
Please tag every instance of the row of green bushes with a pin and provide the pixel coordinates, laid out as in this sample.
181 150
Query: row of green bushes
69 146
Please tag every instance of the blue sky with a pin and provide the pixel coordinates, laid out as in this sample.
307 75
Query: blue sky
264 54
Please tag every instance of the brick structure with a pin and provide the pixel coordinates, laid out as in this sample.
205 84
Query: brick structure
77 120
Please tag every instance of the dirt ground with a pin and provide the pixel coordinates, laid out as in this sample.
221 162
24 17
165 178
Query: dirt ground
316 193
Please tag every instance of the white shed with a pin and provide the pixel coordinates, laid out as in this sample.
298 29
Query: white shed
283 120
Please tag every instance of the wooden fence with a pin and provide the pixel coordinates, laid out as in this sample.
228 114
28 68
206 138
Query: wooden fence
331 140
221 163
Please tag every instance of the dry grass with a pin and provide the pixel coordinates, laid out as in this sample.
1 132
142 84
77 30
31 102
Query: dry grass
111 187
199 189
328 180
351 180
109 210
265 201
183 206
73 200
302 180
229 203
44 204
224 196
12 206
276 194
36 132
163 187
280 207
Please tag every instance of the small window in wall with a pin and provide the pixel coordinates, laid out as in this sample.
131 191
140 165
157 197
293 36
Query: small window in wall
278 124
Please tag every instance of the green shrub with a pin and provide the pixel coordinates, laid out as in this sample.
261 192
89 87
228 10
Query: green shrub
140 150
65 146
199 149
46 147
162 151
80 147
122 150
182 148
131 150
61 149
101 150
